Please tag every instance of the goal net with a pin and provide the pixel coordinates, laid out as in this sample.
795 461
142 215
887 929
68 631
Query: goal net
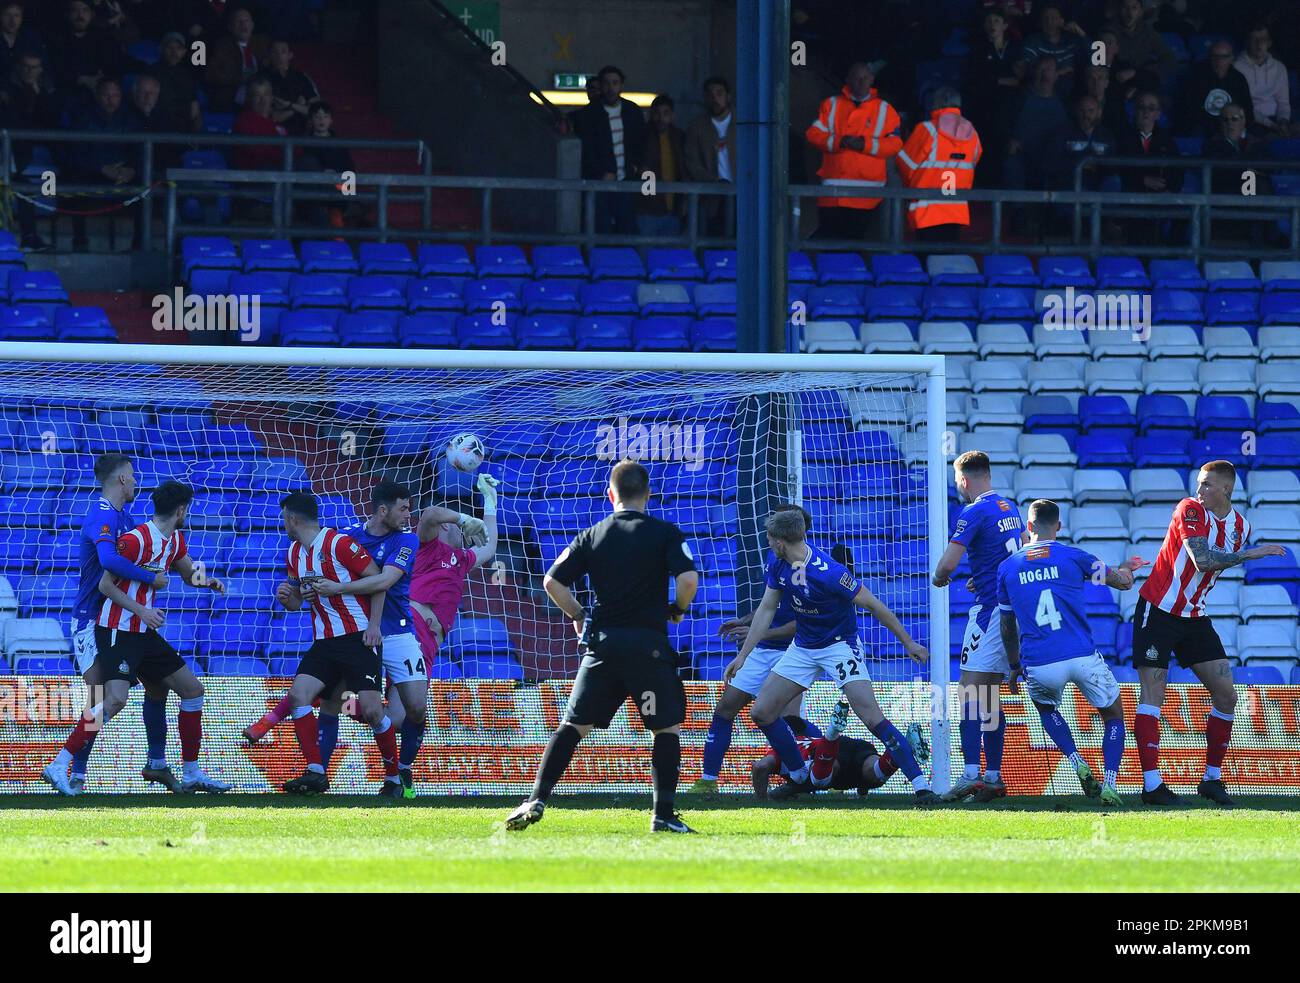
726 439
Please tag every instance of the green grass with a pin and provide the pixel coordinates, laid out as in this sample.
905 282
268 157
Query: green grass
273 843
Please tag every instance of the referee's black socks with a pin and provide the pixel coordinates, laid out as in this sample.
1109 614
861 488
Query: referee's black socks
665 767
556 758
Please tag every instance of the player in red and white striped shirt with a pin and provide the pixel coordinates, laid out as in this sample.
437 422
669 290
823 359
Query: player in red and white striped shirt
346 645
1206 536
128 643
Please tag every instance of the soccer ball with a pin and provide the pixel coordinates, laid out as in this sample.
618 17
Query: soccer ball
465 452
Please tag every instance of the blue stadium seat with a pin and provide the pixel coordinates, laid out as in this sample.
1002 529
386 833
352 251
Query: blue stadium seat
271 288
799 268
1050 414
482 331
233 665
25 322
841 268
559 262
83 324
1124 674
1272 417
835 303
673 264
310 328
208 253
308 290
269 254
443 259
1010 271
369 329
1280 308
1180 274
208 282
1228 308
1005 304
386 258
44 665
715 300
551 297
608 332
238 632
902 269
1104 451
280 474
427 330
1220 447
609 297
893 303
472 637
719 265
1121 273
1276 451
1280 277
659 299
950 304
377 293
485 296
502 261
616 263
545 331
714 334
1176 307
1159 414
1232 275
437 293
327 256
36 287
1257 676
661 334
1065 271
1108 415
1222 414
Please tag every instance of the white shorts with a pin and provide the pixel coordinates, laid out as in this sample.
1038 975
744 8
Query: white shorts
403 659
842 662
83 645
753 674
981 649
1089 672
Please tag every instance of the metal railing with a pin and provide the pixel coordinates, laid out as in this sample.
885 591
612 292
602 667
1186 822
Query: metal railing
288 147
383 189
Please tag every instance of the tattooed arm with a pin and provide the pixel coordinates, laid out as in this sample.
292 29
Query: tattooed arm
1205 559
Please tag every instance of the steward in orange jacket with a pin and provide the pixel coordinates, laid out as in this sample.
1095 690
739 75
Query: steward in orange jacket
941 153
857 132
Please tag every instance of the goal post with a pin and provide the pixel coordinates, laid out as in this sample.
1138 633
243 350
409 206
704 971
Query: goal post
858 440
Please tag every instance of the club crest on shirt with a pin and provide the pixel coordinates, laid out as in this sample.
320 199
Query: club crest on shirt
1004 506
1190 513
104 529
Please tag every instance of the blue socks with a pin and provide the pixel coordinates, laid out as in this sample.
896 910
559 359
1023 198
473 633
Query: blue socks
994 739
970 739
781 737
327 725
715 746
1112 749
154 715
1059 731
899 749
412 738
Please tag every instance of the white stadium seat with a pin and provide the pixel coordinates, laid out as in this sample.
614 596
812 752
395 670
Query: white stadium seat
1046 450
996 340
1277 378
1177 378
887 337
949 264
1174 341
1100 486
1148 522
1051 342
1233 269
1272 488
1116 344
1033 483
999 376
1222 602
999 445
958 376
1267 602
1057 377
1097 522
1234 377
946 338
1114 377
1156 486
830 336
1274 524
1265 642
34 636
1279 342
994 409
1229 342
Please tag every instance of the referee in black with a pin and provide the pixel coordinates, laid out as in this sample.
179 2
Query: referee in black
628 558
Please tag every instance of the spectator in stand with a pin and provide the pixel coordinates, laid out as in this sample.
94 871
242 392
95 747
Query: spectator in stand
709 153
573 121
1066 45
84 55
113 17
1146 138
1032 150
106 163
1266 77
945 148
257 121
16 39
1141 47
1234 143
1209 88
661 214
233 59
857 133
1096 83
147 114
613 142
1015 13
1123 76
320 124
179 91
1086 136
28 103
293 90
992 85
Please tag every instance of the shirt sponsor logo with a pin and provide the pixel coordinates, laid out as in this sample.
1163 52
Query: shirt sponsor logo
847 580
1004 506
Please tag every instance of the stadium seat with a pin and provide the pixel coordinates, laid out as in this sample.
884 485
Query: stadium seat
1056 272
1104 451
714 334
83 324
494 296
603 333
1003 340
369 329
1099 486
327 256
1181 274
485 331
36 287
501 261
835 268
1277 417
609 297
1229 341
663 299
661 334
673 264
888 337
1222 414
1068 342
386 259
25 322
1181 307
1005 304
1277 379
559 262
545 331
1164 413
998 375
991 408
274 255
946 338
439 293
233 665
307 290
1175 341
1280 276
1233 308
1279 343
951 304
1095 523
616 263
1001 447
719 265
1050 414
1045 451
893 303
953 271
1272 488
443 259
902 269
1010 271
799 268
1121 273
1174 378
1276 451
1157 486
1227 378
208 253
310 328
1230 275
838 302
1114 377
715 299
1106 414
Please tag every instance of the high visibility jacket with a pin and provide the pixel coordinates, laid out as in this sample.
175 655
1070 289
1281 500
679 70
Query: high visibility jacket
875 121
940 153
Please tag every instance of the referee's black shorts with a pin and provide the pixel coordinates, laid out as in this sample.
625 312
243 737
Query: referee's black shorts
346 659
1157 635
623 662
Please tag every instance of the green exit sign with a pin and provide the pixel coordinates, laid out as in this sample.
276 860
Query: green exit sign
570 80
483 17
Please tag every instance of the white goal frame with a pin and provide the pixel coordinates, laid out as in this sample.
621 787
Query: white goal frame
932 366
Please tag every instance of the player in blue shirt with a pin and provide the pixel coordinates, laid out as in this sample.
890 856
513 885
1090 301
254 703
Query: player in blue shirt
989 527
106 521
1044 625
824 597
387 537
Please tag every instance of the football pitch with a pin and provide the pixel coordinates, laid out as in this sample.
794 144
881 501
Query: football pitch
602 843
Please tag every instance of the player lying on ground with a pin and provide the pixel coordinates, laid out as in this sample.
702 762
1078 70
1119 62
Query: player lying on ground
834 761
1041 593
1206 536
107 520
346 643
129 646
628 559
824 597
990 528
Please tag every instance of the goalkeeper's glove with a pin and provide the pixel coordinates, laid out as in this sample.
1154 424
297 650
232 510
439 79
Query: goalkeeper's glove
487 486
473 529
